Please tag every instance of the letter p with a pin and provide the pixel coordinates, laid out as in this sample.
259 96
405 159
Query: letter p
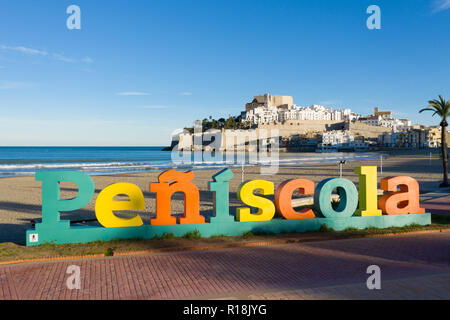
52 205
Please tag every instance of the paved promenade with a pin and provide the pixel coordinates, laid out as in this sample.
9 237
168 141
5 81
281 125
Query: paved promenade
437 202
412 266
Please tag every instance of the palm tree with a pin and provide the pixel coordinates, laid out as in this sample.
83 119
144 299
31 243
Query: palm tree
442 109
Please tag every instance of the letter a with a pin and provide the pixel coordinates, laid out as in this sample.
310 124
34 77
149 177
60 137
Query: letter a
74 20
73 282
374 21
405 201
374 281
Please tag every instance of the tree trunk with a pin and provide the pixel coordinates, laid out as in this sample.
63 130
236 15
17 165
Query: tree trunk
444 153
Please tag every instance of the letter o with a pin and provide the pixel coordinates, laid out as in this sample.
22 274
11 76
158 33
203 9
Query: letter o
348 198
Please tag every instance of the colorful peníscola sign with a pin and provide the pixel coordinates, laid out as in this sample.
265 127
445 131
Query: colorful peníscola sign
398 207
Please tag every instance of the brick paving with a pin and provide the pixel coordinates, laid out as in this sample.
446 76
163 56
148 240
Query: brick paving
431 287
412 266
437 202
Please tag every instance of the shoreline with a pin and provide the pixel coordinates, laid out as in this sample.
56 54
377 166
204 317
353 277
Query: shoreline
117 167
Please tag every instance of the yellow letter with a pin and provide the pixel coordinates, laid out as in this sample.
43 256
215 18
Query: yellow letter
368 192
105 205
266 208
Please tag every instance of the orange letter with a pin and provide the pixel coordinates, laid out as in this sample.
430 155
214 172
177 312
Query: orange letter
164 191
283 198
404 202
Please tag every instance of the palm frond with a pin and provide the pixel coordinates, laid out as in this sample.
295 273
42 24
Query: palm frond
426 109
438 106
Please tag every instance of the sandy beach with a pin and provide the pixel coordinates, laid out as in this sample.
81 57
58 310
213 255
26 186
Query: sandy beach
20 197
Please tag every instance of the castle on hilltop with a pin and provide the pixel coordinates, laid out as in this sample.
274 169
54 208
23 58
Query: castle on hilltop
268 108
310 128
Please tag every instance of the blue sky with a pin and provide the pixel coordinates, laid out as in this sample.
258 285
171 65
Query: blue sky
137 70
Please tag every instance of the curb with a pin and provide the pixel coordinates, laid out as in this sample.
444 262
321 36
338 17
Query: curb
225 246
51 259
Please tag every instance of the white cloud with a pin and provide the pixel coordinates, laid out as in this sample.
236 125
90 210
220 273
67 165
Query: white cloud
186 93
440 5
132 93
5 85
60 57
25 50
87 60
32 51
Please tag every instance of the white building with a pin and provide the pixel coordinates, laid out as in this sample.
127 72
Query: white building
396 125
338 139
385 119
268 114
261 115
371 120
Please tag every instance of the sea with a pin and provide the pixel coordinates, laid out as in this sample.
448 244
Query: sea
25 161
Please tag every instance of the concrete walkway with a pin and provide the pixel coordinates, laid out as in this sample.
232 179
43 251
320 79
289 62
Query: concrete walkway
436 202
412 267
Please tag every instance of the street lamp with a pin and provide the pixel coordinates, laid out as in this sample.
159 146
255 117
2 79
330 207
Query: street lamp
342 162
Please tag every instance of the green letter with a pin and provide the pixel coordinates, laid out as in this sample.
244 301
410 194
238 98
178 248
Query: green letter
221 201
347 193
51 202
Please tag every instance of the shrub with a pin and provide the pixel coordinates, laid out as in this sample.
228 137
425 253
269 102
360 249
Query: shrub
193 235
248 234
325 228
109 252
167 235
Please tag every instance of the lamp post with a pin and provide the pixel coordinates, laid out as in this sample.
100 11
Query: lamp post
381 164
342 162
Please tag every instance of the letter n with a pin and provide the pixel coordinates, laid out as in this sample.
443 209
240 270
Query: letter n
181 182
